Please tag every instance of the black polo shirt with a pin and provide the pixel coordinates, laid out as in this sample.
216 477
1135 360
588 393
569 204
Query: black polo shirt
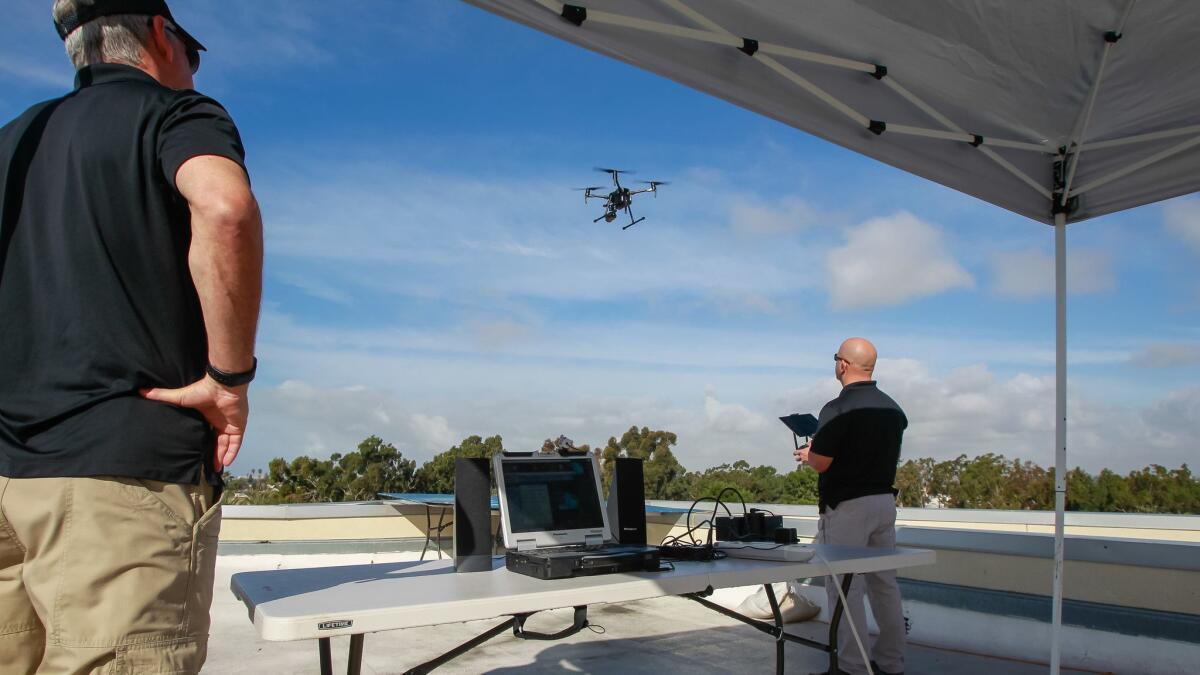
861 430
96 296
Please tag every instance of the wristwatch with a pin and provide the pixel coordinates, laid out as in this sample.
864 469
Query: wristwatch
233 379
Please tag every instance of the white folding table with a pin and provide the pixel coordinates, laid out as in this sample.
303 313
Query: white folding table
320 603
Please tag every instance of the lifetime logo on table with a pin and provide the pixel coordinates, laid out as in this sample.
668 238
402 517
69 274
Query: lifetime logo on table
334 625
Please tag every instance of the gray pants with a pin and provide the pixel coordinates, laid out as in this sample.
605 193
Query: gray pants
866 521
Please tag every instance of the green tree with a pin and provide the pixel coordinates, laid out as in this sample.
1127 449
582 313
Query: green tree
988 481
374 468
754 484
1081 491
981 483
1113 493
660 467
913 482
302 480
944 479
1157 489
800 486
1030 486
437 475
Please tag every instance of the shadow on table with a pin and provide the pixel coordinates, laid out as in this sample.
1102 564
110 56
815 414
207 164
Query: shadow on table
267 585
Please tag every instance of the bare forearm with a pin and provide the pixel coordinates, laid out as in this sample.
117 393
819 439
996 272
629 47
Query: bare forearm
226 263
226 256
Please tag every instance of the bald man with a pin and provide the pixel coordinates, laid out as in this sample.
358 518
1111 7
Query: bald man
856 449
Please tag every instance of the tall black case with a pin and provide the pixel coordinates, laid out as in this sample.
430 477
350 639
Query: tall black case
627 502
472 516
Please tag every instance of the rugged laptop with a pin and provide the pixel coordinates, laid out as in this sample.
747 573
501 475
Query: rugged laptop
555 524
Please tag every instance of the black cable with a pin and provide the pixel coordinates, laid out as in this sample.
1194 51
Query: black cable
739 496
695 549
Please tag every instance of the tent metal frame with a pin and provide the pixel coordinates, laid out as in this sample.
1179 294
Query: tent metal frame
1060 196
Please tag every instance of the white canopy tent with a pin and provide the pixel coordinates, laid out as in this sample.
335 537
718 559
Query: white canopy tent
1059 110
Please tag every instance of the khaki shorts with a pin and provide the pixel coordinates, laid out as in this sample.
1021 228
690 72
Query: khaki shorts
105 575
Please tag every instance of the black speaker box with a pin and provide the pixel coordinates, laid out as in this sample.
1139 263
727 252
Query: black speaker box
627 502
472 516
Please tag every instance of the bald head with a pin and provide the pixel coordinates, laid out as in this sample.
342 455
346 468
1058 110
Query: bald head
855 360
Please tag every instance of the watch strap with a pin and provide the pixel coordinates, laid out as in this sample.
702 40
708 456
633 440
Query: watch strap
232 379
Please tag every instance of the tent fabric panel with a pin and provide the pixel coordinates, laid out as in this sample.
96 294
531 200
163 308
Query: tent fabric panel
1018 72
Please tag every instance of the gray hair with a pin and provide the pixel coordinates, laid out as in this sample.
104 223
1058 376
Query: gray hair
119 38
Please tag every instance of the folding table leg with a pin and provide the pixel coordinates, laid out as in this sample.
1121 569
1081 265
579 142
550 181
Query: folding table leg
326 656
779 640
354 661
438 542
461 649
428 531
834 620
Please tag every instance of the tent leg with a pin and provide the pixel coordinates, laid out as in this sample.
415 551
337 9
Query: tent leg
1060 430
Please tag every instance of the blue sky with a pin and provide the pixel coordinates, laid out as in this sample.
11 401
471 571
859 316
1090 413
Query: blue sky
431 275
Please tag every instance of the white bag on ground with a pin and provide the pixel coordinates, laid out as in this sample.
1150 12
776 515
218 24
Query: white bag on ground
793 606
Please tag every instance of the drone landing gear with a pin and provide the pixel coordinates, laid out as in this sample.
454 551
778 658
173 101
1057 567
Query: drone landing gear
634 223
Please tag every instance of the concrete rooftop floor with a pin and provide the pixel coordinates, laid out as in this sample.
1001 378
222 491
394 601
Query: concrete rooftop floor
665 635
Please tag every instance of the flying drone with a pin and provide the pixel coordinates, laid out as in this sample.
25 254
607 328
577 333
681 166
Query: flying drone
621 198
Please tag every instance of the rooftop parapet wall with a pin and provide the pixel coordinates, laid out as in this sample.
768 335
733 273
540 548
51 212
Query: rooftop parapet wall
361 520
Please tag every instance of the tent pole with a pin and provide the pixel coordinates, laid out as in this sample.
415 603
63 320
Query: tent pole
1060 429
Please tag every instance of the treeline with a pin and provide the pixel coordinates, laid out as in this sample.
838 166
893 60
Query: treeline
986 482
991 481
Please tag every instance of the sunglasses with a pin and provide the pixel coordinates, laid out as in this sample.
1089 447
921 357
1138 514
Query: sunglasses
193 55
838 357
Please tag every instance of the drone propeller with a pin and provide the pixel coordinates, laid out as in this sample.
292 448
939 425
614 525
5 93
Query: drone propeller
611 171
584 189
655 183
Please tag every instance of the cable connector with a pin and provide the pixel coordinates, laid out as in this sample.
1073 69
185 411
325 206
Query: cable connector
880 72
976 140
575 14
749 47
1112 36
877 127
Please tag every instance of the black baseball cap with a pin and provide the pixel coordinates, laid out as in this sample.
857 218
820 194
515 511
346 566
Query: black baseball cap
89 10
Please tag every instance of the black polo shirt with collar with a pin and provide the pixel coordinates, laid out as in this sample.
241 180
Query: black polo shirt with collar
861 430
96 296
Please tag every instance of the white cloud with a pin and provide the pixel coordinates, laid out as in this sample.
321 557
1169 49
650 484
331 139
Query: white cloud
433 432
1182 219
513 248
747 216
15 67
297 417
733 302
437 235
315 287
1173 422
729 417
968 410
892 260
492 335
1167 355
1029 273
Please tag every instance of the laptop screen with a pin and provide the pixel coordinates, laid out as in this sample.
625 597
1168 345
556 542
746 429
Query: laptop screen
552 494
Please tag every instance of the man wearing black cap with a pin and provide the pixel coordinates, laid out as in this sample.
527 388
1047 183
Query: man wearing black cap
130 279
